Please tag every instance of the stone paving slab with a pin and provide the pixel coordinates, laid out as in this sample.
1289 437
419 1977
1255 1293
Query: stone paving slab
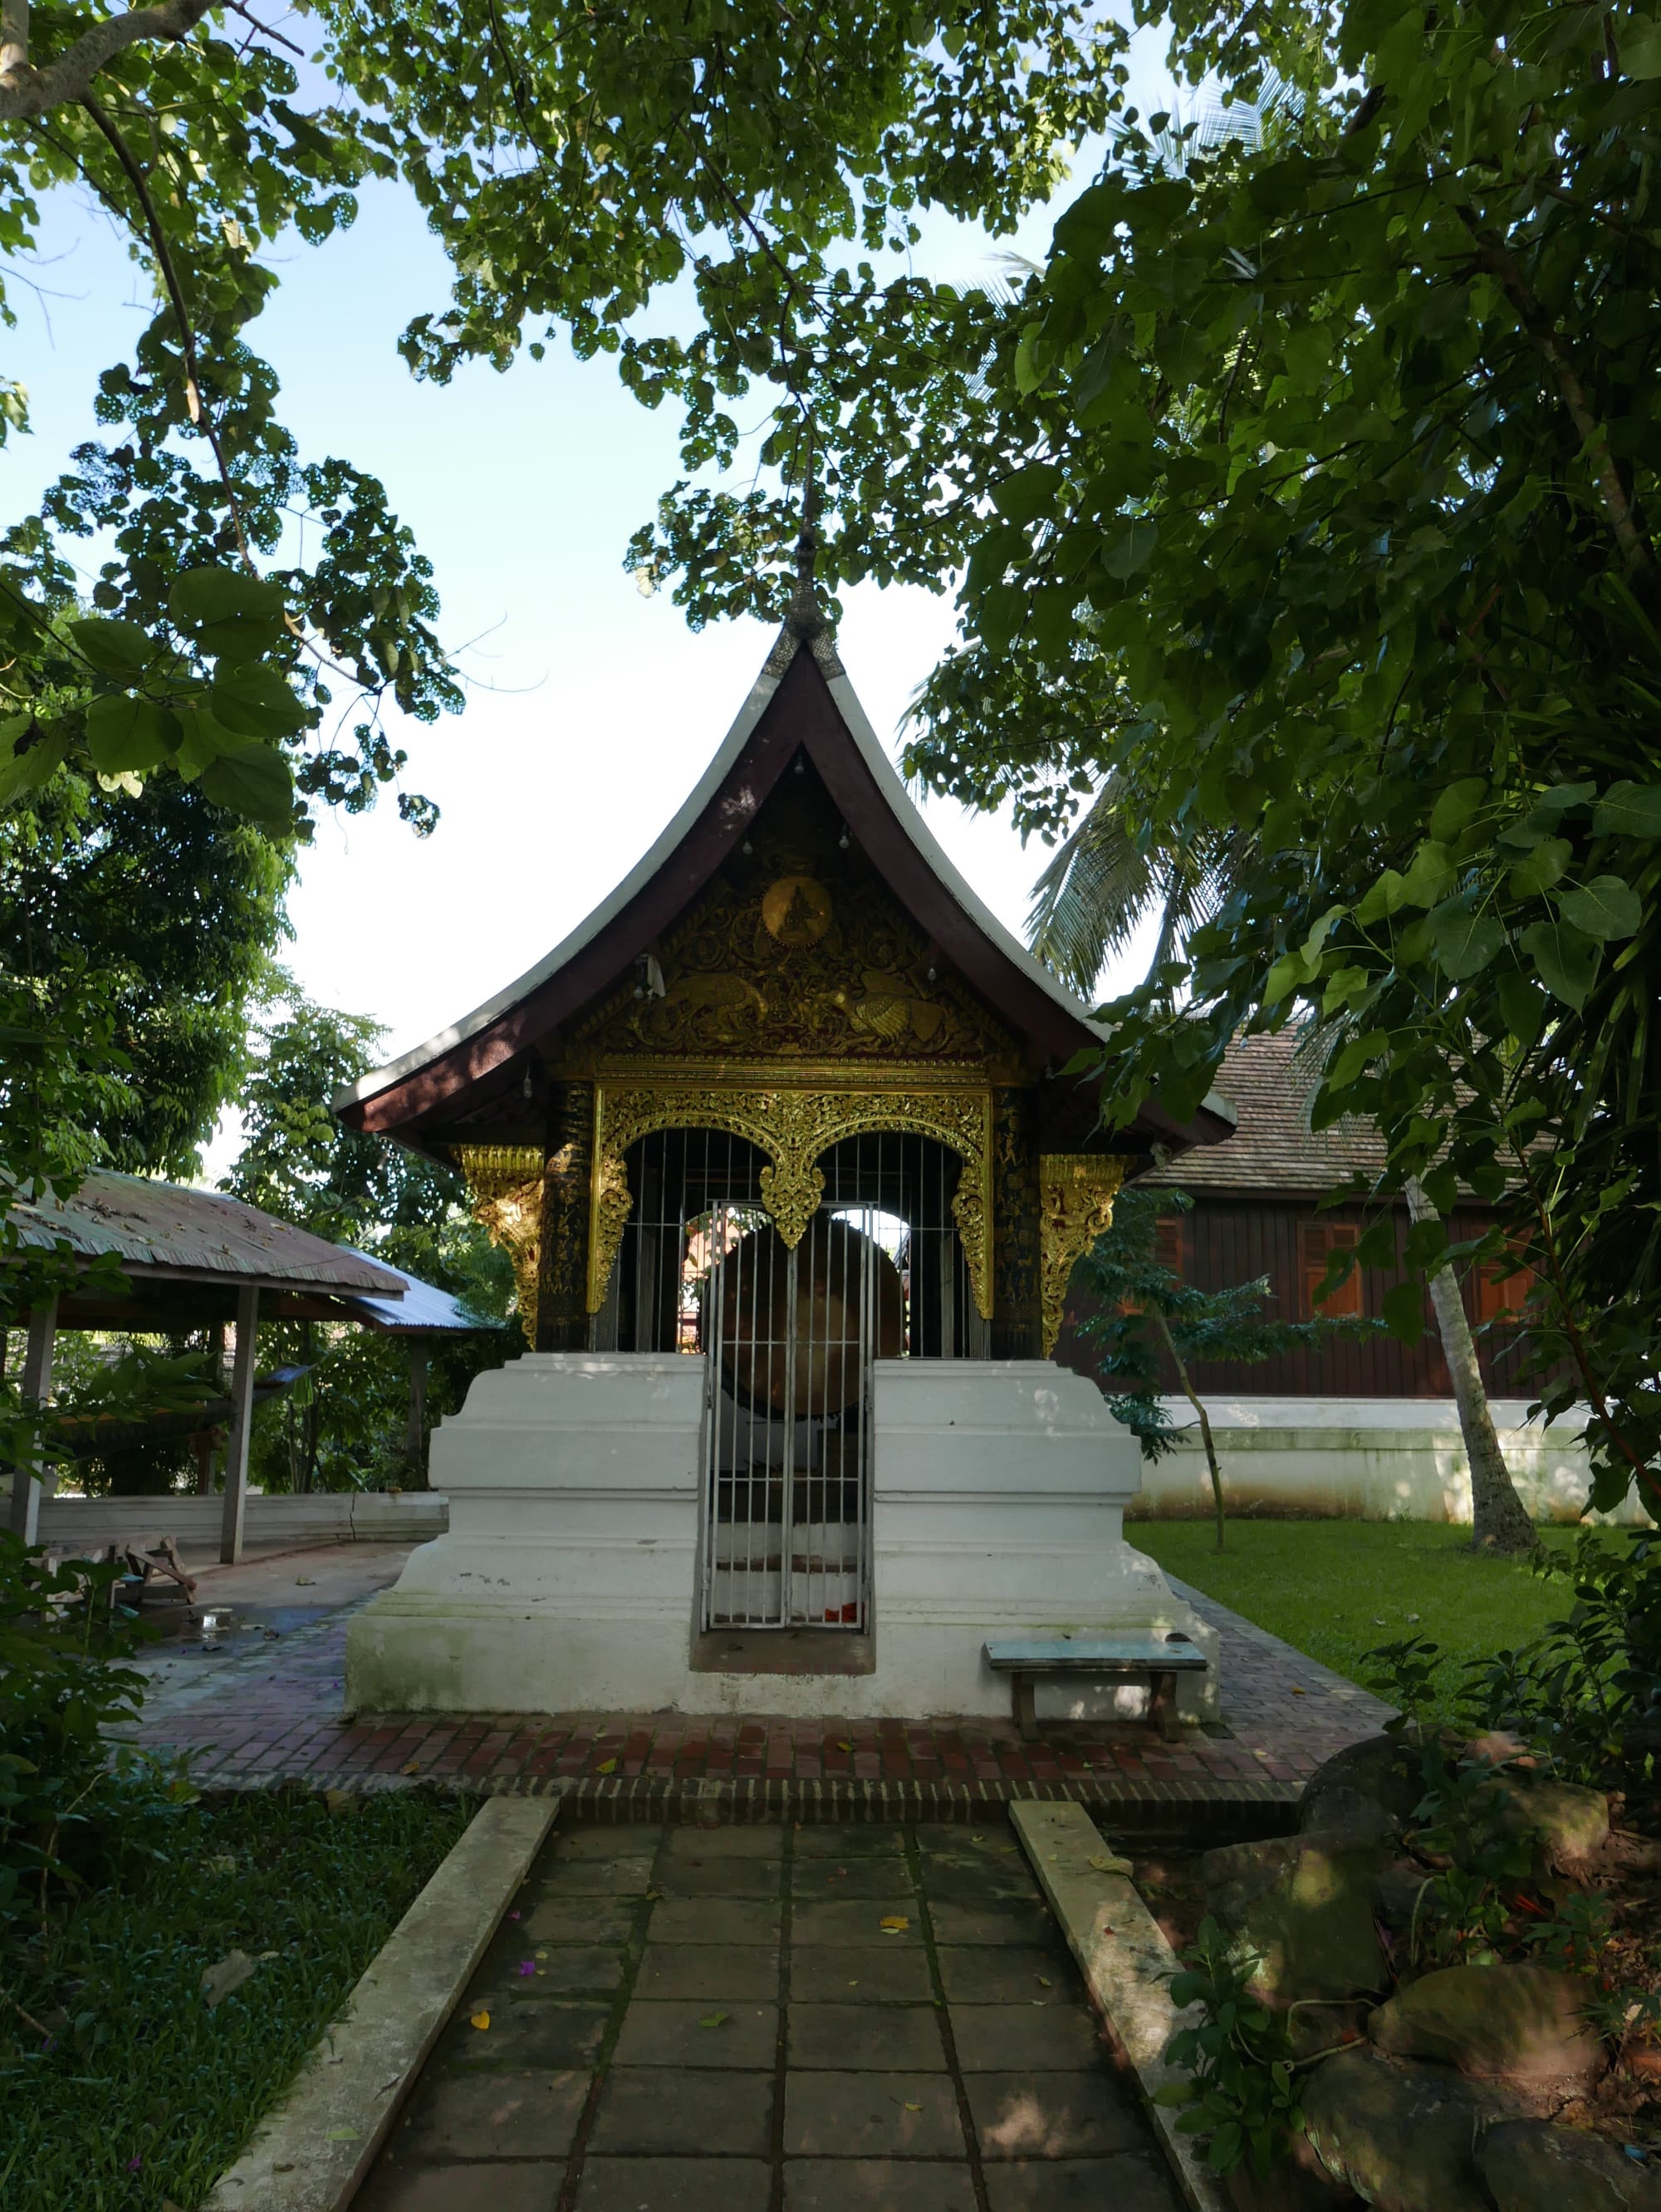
271 1713
862 2074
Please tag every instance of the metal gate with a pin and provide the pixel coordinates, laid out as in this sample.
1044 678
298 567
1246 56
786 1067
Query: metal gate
789 1337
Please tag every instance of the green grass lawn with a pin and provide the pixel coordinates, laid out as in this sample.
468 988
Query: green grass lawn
1336 1589
142 2096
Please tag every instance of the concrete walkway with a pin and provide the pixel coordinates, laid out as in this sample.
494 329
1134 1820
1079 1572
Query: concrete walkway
774 2019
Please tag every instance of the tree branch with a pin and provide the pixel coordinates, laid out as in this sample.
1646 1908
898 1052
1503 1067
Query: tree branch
26 93
14 38
199 414
1542 332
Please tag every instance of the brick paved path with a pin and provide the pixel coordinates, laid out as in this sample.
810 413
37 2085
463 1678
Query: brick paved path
687 2019
251 1717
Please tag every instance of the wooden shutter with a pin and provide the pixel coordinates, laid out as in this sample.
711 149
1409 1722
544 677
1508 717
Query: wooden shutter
1319 1238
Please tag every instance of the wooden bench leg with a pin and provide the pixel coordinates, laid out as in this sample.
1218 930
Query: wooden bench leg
1163 1707
1025 1708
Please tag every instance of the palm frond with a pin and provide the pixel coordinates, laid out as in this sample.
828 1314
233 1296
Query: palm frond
1087 902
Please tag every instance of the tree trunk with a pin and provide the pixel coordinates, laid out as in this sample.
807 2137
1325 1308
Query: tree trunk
1189 1391
1501 1519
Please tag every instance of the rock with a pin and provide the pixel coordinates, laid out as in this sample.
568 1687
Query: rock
1351 1816
1571 1823
1385 1771
1529 2165
1296 2183
1520 2023
1401 2136
1399 1887
1305 1908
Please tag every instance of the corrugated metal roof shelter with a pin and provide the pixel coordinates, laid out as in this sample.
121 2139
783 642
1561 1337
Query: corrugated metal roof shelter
423 1310
192 1258
162 1232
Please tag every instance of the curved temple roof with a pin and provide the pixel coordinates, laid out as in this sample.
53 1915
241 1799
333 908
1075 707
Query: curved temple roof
801 702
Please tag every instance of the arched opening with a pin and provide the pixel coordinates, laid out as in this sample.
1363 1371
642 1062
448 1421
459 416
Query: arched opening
788 1334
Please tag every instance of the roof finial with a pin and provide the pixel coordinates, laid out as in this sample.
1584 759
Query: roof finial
804 618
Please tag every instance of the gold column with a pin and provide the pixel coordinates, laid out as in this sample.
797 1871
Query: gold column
506 1184
1077 1192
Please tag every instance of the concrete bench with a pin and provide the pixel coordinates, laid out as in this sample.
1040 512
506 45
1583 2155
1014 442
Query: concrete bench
1161 1659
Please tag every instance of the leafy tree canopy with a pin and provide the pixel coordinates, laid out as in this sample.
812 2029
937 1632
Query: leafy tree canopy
175 907
1322 491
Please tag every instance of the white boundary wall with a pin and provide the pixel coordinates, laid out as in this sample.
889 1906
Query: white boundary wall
372 1516
1363 1459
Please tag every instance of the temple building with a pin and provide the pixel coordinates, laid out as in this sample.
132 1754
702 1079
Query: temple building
788 1150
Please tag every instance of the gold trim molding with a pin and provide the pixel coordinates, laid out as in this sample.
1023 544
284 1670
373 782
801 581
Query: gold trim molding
506 1184
793 1127
1077 1192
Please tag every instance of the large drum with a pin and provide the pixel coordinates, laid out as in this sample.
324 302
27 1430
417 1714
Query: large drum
839 1270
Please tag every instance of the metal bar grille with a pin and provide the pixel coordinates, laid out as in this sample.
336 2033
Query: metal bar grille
788 1336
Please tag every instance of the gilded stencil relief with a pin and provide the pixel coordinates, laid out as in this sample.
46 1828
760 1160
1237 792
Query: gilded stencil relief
1077 1192
507 1185
797 951
794 1127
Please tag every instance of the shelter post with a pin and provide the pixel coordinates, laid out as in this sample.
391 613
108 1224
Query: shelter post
37 1383
414 1439
242 1415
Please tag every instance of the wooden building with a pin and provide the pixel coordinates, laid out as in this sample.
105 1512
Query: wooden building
1260 1208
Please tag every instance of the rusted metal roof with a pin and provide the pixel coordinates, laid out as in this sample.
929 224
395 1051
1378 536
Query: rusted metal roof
161 1231
423 1310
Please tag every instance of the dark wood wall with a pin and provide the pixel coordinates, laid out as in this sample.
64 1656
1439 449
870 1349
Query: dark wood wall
1223 1241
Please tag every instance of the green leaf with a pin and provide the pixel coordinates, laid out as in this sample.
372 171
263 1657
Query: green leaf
1628 809
1385 897
1405 1312
1030 493
1564 958
22 773
256 782
1523 1009
1606 909
1429 878
127 733
204 740
1130 549
1354 1058
1465 942
255 702
1456 807
1539 869
1291 970
120 649
221 595
1640 53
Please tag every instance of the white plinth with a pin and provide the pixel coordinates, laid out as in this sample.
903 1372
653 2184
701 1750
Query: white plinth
568 1580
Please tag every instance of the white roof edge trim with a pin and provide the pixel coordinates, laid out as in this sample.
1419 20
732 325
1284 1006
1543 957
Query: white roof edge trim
900 805
910 818
382 1079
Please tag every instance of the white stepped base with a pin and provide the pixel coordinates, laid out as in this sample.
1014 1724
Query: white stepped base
568 1581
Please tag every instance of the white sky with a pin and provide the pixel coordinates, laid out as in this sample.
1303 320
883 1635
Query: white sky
594 710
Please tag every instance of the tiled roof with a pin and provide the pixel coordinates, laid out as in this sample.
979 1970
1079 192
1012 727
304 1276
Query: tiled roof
1273 1147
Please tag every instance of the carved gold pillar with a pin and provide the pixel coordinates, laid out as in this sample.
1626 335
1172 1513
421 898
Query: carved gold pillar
506 1184
1077 1192
562 1323
1017 1286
